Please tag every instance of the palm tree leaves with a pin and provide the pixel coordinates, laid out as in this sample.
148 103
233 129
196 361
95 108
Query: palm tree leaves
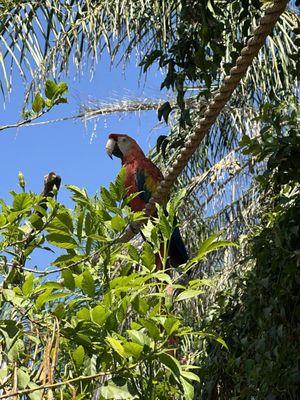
42 38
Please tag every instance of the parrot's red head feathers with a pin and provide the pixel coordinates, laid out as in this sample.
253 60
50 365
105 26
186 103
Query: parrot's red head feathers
123 146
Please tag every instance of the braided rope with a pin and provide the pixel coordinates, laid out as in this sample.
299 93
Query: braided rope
264 28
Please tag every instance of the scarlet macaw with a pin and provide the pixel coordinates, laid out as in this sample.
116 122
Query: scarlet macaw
141 175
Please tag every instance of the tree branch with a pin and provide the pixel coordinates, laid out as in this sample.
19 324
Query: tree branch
58 384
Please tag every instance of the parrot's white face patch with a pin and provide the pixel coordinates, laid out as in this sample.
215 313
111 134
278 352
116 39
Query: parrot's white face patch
124 144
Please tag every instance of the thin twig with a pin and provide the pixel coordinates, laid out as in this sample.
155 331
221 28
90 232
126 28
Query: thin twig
58 384
74 264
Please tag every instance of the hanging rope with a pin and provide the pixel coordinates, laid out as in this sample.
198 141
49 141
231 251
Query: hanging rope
265 26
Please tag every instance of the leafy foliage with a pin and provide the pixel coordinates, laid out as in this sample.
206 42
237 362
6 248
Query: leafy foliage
53 96
99 319
257 313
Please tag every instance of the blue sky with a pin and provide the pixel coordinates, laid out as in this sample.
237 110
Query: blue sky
68 148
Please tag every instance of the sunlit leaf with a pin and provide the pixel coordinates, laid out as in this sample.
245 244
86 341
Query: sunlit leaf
28 284
23 378
68 278
61 240
116 346
112 391
188 294
87 284
78 355
38 103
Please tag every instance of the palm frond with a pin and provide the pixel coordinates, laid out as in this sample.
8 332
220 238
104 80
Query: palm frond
42 38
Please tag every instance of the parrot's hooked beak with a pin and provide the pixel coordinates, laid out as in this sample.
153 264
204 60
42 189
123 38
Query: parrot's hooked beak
113 149
110 145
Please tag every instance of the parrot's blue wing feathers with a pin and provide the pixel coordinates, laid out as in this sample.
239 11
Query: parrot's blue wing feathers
143 186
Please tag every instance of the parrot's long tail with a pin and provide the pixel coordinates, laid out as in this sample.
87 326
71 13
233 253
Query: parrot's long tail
177 250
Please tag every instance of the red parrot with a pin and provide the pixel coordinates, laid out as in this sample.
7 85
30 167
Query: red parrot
141 175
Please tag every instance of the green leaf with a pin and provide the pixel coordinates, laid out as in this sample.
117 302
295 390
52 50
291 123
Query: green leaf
23 379
54 91
211 244
84 339
61 100
62 88
164 225
164 111
163 277
151 327
116 345
140 305
120 184
99 314
2 220
22 201
171 364
188 294
80 224
190 376
37 395
222 342
50 89
9 294
148 257
10 328
48 285
88 224
188 389
84 314
171 325
59 310
87 284
60 240
133 252
118 223
38 103
78 280
79 195
62 223
149 58
3 372
139 337
48 296
133 349
78 355
28 284
68 278
48 103
15 350
67 259
111 391
107 197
